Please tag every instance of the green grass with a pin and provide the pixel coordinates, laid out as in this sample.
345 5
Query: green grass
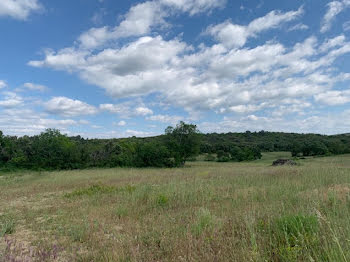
206 211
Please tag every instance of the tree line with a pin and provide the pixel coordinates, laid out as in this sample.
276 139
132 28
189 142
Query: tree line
52 150
297 144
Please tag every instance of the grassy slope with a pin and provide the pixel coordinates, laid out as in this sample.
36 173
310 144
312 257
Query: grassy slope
203 212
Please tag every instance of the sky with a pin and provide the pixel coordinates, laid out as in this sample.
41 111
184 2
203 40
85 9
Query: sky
106 68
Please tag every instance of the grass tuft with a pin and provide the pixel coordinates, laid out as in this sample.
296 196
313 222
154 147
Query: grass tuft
91 190
7 227
204 221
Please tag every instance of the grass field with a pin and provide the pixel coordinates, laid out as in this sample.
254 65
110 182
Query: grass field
206 211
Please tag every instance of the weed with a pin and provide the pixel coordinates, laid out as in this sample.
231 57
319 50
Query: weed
204 221
130 189
91 190
294 234
78 233
7 227
121 212
162 200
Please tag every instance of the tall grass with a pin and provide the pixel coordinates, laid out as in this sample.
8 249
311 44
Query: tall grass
206 211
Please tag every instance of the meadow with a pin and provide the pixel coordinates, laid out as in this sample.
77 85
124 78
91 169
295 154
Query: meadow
205 211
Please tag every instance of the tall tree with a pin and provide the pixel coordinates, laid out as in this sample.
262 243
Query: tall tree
183 141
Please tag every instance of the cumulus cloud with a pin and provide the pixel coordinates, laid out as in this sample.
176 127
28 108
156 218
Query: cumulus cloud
138 21
130 132
228 77
10 100
334 8
232 35
194 6
143 17
143 111
2 84
131 70
213 78
127 109
19 9
334 97
121 123
22 121
67 107
35 87
167 119
337 123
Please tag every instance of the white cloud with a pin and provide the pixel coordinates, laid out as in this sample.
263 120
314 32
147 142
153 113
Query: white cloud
337 123
127 109
297 27
168 119
143 17
334 97
19 9
143 111
346 26
138 21
28 122
115 109
194 6
129 133
334 8
121 123
2 84
334 42
35 87
214 78
67 107
227 77
131 70
11 100
232 35
84 122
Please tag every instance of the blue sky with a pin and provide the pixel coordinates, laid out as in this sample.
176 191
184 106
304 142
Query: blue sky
105 68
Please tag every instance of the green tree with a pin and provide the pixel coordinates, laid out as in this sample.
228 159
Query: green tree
152 154
183 142
53 150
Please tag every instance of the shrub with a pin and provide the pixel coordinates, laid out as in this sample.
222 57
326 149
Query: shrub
209 157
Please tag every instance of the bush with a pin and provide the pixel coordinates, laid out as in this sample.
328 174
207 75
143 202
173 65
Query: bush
209 157
153 155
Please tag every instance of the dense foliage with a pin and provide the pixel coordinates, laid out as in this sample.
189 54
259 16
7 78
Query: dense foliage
232 144
53 150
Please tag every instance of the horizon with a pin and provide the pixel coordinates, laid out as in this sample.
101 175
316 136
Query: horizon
101 69
152 136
